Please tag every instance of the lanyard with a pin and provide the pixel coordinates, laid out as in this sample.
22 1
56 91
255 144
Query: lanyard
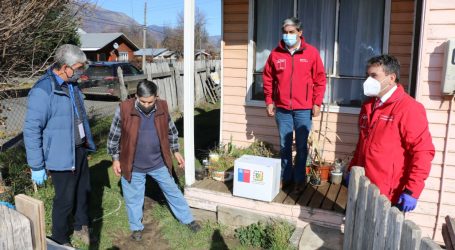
73 101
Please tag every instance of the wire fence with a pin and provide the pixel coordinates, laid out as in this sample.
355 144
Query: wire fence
13 102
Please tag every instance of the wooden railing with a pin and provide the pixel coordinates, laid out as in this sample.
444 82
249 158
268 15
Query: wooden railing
371 222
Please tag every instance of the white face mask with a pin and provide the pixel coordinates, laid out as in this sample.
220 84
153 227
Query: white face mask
372 87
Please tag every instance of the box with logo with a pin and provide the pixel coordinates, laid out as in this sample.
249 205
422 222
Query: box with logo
257 177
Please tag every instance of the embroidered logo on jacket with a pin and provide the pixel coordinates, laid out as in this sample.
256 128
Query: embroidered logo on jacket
303 60
281 64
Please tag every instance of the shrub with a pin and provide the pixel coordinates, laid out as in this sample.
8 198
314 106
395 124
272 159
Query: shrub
16 173
271 235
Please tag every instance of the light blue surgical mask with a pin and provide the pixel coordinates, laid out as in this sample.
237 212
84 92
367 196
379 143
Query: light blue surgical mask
290 39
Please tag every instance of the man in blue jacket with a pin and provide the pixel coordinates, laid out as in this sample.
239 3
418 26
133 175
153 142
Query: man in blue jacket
57 137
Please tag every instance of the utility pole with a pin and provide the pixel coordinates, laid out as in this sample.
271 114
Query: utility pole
144 33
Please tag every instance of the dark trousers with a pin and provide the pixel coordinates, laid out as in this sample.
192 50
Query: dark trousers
72 193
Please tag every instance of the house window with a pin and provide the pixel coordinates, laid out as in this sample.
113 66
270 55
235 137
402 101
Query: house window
347 33
123 56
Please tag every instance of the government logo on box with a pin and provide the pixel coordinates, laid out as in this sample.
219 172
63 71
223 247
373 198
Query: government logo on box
244 175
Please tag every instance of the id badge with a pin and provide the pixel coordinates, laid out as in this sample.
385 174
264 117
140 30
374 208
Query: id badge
81 130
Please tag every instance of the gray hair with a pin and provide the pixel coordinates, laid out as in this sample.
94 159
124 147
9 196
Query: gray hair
294 21
69 54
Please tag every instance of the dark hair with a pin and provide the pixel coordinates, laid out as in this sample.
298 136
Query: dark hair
294 21
146 88
389 64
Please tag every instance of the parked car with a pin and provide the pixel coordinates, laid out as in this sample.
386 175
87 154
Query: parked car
101 78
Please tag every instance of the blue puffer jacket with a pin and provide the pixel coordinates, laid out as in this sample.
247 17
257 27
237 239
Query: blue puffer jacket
49 126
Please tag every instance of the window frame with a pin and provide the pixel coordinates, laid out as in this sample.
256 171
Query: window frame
252 49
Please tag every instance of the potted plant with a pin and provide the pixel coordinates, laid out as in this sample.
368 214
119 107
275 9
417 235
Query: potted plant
336 174
223 168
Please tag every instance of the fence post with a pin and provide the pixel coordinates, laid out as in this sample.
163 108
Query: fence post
394 229
428 244
370 215
15 230
353 191
410 237
123 90
359 236
380 230
179 86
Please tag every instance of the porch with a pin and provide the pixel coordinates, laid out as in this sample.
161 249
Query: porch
324 205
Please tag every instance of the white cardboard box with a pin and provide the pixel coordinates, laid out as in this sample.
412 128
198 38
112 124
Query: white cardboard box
257 177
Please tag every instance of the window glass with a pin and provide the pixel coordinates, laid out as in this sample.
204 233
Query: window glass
360 36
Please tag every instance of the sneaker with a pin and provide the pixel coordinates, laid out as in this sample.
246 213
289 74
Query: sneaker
136 235
82 235
67 244
194 226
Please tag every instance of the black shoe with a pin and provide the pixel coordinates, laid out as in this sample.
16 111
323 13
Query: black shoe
136 235
67 244
194 226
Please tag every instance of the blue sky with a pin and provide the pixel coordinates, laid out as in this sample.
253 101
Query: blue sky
164 12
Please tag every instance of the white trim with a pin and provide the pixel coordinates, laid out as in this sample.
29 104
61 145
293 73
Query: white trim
421 49
250 67
90 49
188 91
385 36
332 108
222 73
335 48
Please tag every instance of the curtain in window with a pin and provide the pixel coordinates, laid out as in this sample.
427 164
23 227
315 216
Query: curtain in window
318 18
269 16
360 35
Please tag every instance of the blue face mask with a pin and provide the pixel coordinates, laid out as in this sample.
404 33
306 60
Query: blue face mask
290 39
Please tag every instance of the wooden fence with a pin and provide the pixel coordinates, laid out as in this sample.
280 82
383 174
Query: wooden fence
169 78
371 222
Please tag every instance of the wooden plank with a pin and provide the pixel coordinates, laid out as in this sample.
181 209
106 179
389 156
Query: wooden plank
359 234
370 220
6 237
354 182
380 230
331 196
15 230
428 244
202 184
410 236
450 222
33 209
307 194
445 235
280 197
319 195
341 200
394 229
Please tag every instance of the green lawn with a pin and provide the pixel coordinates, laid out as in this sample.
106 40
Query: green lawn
107 207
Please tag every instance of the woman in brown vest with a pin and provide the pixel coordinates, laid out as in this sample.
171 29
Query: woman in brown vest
141 139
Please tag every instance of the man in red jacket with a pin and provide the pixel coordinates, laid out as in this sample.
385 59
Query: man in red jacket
395 145
294 85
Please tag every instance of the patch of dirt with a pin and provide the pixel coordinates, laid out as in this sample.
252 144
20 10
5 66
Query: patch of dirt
151 236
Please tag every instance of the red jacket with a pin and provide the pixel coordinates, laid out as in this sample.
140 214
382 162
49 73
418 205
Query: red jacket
294 81
395 145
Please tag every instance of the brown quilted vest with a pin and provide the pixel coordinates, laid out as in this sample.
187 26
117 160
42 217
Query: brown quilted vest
131 121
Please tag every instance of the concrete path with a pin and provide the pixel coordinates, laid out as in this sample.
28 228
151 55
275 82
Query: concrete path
318 237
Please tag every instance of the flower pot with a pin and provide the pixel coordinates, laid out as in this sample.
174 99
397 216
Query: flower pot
336 177
222 175
324 171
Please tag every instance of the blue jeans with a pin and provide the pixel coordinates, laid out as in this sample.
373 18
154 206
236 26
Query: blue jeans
134 192
288 121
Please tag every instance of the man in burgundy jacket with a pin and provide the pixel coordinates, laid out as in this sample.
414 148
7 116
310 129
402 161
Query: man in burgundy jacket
395 145
294 84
